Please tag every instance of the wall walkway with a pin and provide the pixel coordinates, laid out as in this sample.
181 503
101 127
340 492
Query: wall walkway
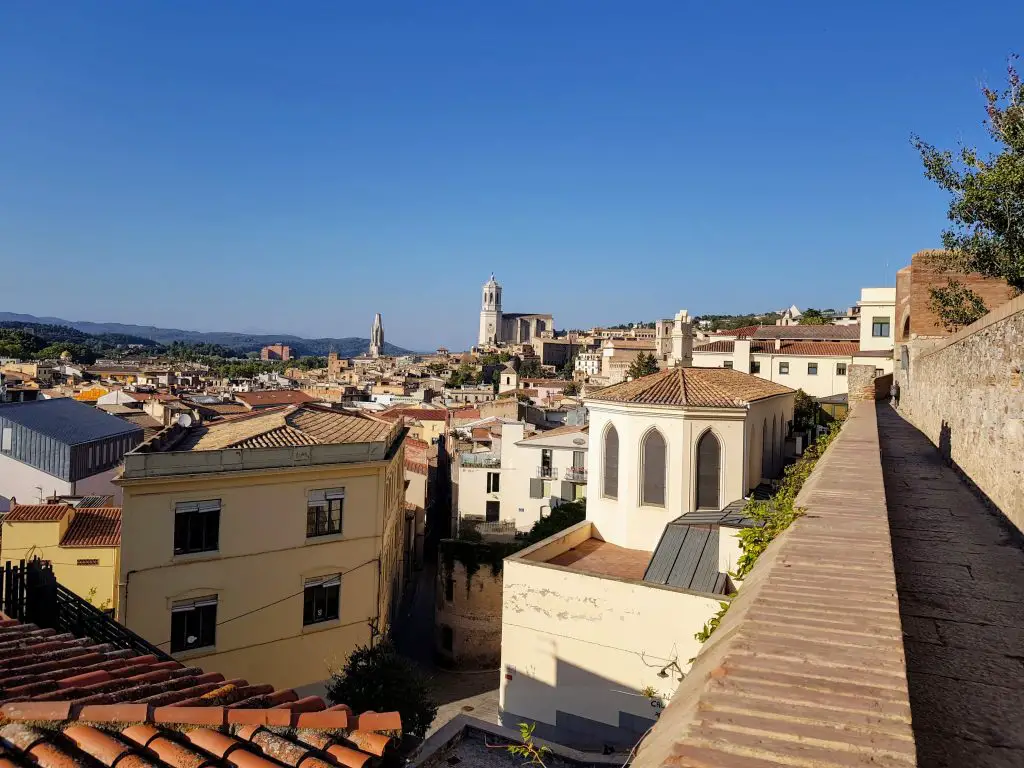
807 668
960 576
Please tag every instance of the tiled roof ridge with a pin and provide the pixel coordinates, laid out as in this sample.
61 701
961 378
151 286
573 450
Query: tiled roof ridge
683 389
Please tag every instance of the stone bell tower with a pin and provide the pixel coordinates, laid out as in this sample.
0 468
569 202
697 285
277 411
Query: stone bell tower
490 313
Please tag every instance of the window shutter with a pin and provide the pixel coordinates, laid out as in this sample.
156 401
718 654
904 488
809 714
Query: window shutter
708 465
536 488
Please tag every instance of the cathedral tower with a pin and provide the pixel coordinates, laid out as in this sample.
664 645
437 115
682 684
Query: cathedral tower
377 337
490 313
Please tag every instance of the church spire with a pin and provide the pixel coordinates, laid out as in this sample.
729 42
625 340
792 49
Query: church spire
377 337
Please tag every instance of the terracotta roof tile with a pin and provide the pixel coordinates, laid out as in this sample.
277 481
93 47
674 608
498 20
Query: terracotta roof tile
740 333
61 731
94 527
37 513
807 332
272 397
820 348
692 387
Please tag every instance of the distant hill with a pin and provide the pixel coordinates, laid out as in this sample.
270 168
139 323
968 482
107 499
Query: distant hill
350 346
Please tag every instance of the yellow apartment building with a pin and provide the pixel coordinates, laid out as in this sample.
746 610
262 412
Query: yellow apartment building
267 547
83 544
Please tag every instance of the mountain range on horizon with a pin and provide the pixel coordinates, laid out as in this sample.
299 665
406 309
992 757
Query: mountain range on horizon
349 346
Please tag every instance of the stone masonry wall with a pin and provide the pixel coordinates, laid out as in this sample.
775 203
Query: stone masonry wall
966 393
864 385
473 615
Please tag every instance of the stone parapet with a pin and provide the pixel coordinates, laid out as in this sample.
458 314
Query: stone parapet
807 667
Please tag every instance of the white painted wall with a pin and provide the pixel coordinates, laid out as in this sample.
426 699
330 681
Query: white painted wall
473 495
826 382
20 481
587 644
877 302
519 464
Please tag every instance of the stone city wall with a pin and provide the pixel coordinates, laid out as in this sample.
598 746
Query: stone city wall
467 623
967 395
865 385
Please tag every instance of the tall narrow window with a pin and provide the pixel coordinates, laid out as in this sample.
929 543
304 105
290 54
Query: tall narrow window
194 624
321 599
766 451
709 459
324 511
652 451
611 463
196 526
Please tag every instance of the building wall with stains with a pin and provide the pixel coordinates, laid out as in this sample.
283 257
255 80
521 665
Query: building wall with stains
579 652
467 623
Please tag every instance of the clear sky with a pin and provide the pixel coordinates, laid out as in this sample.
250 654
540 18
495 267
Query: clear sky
297 166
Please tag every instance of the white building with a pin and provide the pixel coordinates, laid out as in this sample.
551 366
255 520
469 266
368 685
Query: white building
586 651
524 476
814 358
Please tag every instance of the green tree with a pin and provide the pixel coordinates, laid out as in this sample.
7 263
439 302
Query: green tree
644 364
530 369
813 317
379 679
956 304
987 207
571 389
561 517
805 410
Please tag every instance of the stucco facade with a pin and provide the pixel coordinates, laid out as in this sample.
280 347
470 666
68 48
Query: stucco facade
267 565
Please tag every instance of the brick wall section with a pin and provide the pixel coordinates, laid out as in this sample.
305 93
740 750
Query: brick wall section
807 668
912 294
967 395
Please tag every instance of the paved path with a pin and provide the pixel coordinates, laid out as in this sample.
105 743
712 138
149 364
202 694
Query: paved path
960 579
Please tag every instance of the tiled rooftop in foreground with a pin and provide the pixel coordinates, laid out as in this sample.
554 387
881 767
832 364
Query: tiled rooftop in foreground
71 703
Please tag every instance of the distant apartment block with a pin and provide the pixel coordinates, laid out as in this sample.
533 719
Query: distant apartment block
269 546
276 352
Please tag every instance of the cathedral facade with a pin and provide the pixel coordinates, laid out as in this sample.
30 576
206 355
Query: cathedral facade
497 327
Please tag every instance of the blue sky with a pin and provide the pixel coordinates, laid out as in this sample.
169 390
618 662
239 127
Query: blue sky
295 167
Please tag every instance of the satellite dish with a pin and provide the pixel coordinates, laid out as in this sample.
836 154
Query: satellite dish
185 420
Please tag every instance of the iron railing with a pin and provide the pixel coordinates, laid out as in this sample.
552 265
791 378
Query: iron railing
547 473
576 475
31 593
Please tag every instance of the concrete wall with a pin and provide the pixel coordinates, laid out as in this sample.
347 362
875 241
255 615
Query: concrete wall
259 572
967 394
578 649
473 614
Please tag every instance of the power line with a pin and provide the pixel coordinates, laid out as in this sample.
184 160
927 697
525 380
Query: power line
275 602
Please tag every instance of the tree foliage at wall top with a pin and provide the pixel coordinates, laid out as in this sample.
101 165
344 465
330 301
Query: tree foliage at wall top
644 364
813 317
987 207
956 305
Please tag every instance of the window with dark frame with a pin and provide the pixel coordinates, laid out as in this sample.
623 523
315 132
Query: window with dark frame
880 327
840 369
196 526
493 482
727 364
783 369
449 589
812 369
321 600
611 464
194 624
324 512
755 366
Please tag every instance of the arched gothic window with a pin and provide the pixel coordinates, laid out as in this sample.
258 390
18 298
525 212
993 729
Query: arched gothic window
709 462
652 458
611 463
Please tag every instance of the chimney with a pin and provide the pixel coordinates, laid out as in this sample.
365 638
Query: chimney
778 344
682 340
741 355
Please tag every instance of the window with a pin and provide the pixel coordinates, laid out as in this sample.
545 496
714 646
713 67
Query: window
812 369
88 561
194 624
727 364
879 372
449 589
447 637
324 512
196 526
783 369
652 452
840 369
493 482
708 464
321 599
755 366
611 463
880 327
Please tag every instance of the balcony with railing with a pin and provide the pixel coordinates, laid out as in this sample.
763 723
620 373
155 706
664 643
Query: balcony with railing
547 473
576 474
487 460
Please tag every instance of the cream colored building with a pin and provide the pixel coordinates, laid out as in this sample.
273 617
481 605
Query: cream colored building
586 651
267 547
82 543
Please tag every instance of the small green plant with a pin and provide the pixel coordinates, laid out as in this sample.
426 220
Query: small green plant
712 623
531 752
